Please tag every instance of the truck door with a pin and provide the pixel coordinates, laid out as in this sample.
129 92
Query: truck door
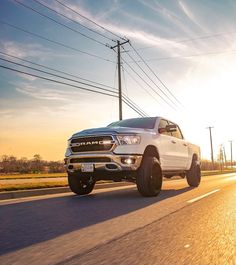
179 148
166 148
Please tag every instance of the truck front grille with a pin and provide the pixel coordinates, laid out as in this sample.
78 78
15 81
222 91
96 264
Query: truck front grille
92 143
90 160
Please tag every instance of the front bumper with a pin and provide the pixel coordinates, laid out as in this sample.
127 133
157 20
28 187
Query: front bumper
114 163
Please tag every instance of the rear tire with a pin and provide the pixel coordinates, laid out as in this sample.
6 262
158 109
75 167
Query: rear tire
80 185
149 177
193 175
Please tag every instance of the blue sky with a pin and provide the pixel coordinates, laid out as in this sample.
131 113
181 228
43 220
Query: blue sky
190 45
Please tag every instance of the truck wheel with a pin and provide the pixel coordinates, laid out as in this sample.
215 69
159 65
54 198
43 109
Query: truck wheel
193 175
149 177
80 186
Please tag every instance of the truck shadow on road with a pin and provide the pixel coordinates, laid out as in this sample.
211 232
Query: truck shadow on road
27 223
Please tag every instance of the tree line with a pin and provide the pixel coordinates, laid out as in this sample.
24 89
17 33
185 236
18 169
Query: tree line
11 164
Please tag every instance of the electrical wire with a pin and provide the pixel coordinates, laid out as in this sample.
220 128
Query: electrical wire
126 95
90 20
154 90
55 75
59 23
74 21
56 81
55 42
149 85
55 70
156 75
135 80
137 111
36 69
114 93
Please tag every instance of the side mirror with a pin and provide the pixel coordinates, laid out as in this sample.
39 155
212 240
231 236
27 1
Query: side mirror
171 128
162 130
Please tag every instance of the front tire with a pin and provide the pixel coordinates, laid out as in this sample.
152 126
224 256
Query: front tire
193 175
80 185
149 177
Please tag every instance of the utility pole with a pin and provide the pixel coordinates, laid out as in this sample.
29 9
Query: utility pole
212 156
221 158
119 75
231 152
224 156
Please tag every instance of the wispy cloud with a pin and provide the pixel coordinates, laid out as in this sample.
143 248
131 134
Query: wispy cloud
27 50
191 15
137 34
48 92
44 93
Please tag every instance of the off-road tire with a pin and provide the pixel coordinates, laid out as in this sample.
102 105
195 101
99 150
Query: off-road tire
193 175
149 177
80 185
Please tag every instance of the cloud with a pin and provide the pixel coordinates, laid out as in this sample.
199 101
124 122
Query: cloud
138 34
46 93
190 15
27 50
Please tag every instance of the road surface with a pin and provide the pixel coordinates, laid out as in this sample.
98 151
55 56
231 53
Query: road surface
182 225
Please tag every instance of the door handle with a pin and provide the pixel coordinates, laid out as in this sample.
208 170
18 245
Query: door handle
173 142
185 144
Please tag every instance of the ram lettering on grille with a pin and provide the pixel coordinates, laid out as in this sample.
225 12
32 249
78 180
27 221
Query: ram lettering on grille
89 144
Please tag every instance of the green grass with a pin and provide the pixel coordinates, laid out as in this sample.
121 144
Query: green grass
29 186
33 176
63 182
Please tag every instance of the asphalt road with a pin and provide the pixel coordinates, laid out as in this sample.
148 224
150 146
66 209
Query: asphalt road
182 225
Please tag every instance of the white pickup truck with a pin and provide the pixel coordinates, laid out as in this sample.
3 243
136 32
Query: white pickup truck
140 150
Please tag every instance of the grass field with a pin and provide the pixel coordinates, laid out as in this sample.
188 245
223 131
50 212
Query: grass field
29 186
11 186
33 176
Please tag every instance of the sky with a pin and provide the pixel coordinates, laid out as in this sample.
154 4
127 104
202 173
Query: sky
189 45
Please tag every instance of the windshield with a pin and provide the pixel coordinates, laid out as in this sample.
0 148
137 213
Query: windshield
144 123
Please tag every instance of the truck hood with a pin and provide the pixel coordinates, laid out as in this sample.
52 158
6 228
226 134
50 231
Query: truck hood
111 130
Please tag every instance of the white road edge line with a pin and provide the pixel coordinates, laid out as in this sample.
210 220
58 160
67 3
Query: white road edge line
203 196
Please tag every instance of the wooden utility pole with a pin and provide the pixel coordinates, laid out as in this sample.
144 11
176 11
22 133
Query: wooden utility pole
119 75
231 153
212 155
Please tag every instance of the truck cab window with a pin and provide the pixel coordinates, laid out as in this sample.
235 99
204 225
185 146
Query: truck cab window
162 127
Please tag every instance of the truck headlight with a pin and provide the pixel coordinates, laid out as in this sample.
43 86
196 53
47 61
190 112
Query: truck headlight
129 139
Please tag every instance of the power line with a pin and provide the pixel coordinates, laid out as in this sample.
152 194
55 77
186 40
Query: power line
67 84
90 20
59 23
135 80
36 69
56 81
154 90
124 80
55 42
75 21
141 79
48 73
126 95
155 74
132 107
55 70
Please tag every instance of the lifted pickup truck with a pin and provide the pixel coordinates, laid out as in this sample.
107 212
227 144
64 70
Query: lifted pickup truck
140 150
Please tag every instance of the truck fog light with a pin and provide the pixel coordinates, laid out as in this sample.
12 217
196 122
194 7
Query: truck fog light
127 160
